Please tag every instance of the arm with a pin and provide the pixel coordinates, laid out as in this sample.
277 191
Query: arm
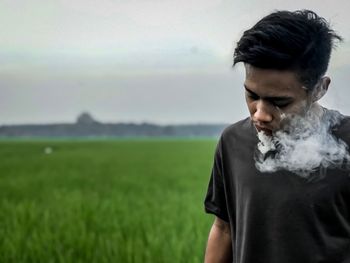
219 249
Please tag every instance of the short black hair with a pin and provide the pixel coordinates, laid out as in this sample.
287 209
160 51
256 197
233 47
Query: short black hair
300 41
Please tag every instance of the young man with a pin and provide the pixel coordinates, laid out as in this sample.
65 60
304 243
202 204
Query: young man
280 183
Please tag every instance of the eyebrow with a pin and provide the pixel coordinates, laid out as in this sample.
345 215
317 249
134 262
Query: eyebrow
278 98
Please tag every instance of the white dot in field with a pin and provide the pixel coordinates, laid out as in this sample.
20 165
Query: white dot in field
48 150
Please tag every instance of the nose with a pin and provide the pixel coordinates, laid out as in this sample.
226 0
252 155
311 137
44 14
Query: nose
262 113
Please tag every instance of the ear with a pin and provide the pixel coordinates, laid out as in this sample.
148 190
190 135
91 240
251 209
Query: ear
321 88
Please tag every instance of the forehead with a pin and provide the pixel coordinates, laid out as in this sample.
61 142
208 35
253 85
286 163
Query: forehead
273 81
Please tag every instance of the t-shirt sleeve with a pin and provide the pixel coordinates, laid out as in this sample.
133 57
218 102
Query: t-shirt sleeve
215 199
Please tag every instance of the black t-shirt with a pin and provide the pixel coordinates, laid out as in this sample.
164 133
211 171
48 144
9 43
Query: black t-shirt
279 217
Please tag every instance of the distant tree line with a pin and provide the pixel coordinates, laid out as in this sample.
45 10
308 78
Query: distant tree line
86 126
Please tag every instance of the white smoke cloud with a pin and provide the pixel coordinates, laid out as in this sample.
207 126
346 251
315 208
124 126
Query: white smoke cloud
307 144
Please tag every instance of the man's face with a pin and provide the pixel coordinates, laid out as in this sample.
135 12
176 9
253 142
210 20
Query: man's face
272 96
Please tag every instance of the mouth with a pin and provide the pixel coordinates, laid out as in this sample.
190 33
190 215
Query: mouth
266 130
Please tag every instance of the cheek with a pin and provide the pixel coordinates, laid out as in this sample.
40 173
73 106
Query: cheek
281 114
286 115
298 108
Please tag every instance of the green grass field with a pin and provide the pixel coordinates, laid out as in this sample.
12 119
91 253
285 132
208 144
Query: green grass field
127 201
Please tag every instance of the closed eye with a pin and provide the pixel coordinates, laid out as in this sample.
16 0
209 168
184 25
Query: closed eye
251 95
281 103
277 101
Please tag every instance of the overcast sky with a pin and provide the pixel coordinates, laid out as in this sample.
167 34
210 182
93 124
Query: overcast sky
160 61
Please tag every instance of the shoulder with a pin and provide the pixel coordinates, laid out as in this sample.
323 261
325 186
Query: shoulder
342 130
338 123
345 123
242 127
238 133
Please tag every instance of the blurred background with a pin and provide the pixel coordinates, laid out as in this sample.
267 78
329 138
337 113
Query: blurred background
165 62
96 73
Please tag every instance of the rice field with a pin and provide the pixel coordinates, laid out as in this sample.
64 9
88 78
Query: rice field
128 201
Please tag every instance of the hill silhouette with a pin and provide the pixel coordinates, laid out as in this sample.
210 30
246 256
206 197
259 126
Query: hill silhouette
87 126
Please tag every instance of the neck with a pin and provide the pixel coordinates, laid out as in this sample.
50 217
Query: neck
315 113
